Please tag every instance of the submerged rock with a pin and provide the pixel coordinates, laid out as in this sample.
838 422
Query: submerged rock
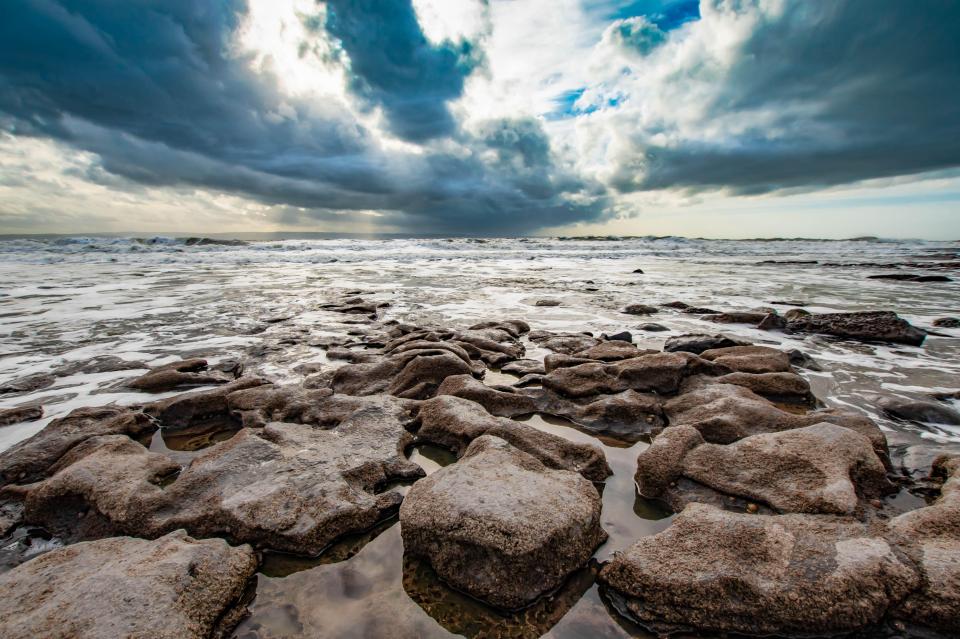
653 327
501 526
919 410
718 571
20 414
183 374
547 303
947 322
27 384
870 326
698 342
640 309
172 588
822 468
738 318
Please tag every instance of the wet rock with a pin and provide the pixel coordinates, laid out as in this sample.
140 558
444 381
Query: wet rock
256 407
611 351
724 413
20 414
947 322
787 388
356 306
870 326
414 374
547 303
749 359
171 588
640 309
495 346
502 401
622 336
677 305
788 302
772 321
558 360
524 367
628 416
186 373
516 539
565 343
738 318
822 468
698 342
910 277
699 310
515 328
919 410
454 423
190 409
101 364
653 327
352 355
931 537
638 271
659 372
719 571
29 460
209 241
801 360
795 314
28 384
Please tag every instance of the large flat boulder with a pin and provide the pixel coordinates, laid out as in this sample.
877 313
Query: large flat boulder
413 374
822 468
718 571
659 372
172 588
501 526
749 359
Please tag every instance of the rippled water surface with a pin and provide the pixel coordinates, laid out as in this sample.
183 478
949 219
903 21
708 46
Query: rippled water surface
153 301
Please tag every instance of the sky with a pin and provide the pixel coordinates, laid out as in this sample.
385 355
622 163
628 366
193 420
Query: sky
709 118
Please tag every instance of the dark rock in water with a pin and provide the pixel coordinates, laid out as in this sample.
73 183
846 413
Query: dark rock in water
659 372
653 327
788 303
676 304
749 359
696 343
772 321
919 410
871 326
189 409
454 423
622 336
20 414
171 588
699 310
524 367
502 401
101 364
801 360
638 271
788 262
519 537
548 303
824 468
947 322
566 343
945 397
29 460
911 277
640 309
28 384
183 374
515 328
931 536
628 416
738 318
796 314
718 571
356 306
209 241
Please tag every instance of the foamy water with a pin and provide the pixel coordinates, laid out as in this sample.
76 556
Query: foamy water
154 300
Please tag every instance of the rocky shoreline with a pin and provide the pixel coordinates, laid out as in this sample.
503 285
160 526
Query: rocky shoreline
791 518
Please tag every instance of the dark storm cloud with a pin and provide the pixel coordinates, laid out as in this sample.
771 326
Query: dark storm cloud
854 90
149 86
394 66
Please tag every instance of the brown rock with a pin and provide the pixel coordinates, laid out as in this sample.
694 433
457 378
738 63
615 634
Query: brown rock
20 414
873 326
502 401
750 359
777 387
514 540
660 372
186 373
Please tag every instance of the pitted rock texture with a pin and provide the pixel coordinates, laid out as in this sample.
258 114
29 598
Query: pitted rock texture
718 571
172 588
697 343
454 423
10 416
501 526
822 468
749 359
660 372
183 374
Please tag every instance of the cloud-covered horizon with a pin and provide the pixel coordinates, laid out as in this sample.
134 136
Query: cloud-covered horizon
465 116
